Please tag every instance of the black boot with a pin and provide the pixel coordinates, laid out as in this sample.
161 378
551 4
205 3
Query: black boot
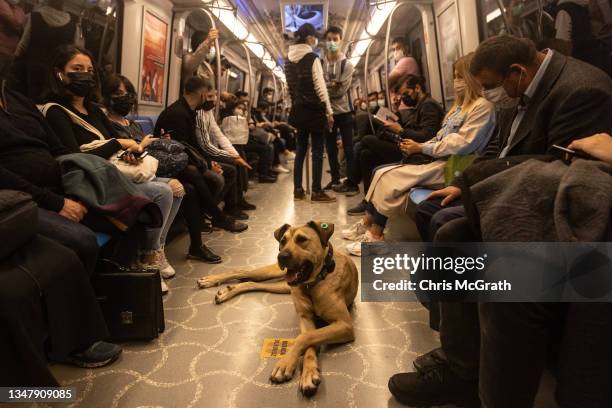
436 386
204 254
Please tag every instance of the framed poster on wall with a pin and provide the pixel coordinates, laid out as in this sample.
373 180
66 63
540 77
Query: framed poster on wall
449 35
153 59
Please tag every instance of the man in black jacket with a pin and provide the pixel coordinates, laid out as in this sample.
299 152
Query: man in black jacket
547 99
423 125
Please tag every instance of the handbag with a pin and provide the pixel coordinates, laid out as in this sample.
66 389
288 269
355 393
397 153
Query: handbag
171 156
138 173
131 302
236 129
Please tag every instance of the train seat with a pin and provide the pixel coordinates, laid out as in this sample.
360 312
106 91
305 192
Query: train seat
146 122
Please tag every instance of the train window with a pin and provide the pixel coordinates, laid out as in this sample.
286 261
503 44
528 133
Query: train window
97 27
235 80
523 18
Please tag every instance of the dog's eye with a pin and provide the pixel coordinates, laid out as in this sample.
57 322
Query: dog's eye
300 239
283 241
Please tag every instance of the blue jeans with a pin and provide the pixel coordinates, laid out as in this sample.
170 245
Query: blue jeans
161 194
70 234
343 124
318 141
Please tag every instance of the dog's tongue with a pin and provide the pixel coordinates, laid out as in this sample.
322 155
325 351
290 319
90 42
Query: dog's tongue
292 276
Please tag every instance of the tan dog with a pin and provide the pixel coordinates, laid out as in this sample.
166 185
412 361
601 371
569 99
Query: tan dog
323 284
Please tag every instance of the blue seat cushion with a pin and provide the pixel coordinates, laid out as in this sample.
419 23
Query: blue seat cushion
418 195
146 122
102 239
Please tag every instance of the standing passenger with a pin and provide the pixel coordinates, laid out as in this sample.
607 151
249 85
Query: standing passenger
311 110
339 75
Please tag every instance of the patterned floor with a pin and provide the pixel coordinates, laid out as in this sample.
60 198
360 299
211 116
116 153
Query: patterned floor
209 354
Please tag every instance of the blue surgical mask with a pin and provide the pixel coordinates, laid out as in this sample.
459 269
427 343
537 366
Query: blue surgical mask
332 46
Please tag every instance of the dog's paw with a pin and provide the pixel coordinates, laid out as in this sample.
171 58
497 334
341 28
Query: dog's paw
309 381
208 282
284 369
224 294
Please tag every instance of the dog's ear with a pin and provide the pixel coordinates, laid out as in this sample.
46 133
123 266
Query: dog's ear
278 234
324 229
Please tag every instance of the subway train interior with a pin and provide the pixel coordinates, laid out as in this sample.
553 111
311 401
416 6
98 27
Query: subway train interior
306 203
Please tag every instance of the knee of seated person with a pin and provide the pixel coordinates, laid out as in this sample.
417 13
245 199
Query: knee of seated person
457 230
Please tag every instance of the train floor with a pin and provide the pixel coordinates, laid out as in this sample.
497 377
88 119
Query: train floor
210 355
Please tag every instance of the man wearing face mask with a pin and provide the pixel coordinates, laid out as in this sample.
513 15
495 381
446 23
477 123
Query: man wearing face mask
404 63
339 75
427 113
545 99
202 51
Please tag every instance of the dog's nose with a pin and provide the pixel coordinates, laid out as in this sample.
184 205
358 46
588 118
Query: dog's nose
284 257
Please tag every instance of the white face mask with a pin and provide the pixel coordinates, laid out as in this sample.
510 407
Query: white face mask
363 106
316 43
500 98
398 55
459 86
381 103
212 53
373 104
238 112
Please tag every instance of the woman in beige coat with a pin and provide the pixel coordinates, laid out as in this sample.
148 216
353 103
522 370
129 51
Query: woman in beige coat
466 130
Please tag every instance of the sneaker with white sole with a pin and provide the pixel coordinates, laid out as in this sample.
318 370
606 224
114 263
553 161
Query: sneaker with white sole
165 269
356 231
279 168
355 247
164 288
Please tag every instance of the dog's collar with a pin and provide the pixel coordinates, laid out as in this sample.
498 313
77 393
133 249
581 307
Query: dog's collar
328 267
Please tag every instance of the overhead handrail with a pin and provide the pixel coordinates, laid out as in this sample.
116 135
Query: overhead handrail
213 26
500 5
250 72
365 84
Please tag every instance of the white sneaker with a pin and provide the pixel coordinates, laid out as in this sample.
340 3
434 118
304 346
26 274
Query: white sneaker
355 247
279 168
164 288
288 155
356 231
165 269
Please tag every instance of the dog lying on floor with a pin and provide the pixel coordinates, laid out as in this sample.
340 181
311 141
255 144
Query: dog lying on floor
323 284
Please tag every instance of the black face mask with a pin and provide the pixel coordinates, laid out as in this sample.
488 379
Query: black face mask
122 105
81 83
409 100
207 105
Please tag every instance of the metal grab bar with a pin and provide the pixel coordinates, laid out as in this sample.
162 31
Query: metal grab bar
250 72
365 84
213 26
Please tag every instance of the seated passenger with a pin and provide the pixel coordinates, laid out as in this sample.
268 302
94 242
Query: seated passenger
179 119
421 125
467 129
27 164
281 153
561 100
81 124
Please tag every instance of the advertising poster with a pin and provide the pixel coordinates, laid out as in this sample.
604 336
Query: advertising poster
153 66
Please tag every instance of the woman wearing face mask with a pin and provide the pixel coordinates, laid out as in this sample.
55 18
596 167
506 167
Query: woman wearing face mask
73 86
311 111
466 130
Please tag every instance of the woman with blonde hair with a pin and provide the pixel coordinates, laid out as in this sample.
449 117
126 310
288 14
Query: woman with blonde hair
466 130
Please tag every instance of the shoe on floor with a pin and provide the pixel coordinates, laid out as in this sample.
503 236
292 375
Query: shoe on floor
246 206
355 247
438 386
299 195
331 186
321 197
267 179
356 231
206 227
345 188
237 214
204 254
430 360
97 355
288 156
164 288
279 168
165 269
358 210
228 224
